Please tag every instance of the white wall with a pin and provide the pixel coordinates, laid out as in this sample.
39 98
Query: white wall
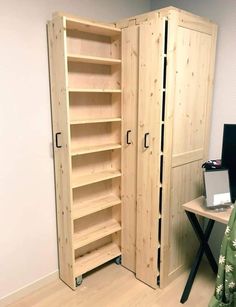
28 249
224 102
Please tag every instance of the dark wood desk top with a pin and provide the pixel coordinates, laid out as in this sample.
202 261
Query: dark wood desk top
197 206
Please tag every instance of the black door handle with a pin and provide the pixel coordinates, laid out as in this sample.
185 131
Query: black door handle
57 145
145 140
127 137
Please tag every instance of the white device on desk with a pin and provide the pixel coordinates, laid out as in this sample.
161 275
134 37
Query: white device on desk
217 189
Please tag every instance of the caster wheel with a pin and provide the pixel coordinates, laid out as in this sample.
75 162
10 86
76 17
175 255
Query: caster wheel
78 281
118 260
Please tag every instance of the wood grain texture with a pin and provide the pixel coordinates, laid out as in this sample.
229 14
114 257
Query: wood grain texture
94 105
149 119
60 111
189 56
167 150
184 187
90 142
130 46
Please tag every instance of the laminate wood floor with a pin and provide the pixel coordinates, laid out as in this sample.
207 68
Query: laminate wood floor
114 286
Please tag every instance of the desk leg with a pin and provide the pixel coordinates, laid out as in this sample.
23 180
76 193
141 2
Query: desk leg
204 247
203 238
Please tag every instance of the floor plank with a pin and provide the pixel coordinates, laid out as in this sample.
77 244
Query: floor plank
114 286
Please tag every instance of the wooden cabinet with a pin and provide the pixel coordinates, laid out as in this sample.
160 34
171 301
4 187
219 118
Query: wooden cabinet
85 66
131 111
168 63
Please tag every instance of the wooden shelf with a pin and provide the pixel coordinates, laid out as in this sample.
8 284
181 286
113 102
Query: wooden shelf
95 121
92 149
92 59
95 258
93 178
94 206
94 233
93 90
90 27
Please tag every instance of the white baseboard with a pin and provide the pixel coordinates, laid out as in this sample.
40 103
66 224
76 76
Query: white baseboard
18 294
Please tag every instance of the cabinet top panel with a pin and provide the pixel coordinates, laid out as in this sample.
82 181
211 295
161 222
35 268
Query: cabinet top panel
139 19
89 26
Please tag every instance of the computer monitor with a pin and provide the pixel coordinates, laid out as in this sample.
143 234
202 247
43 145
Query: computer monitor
228 157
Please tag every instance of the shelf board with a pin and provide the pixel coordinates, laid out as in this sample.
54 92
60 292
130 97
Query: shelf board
92 149
95 205
95 232
92 59
93 178
93 90
95 121
96 258
91 27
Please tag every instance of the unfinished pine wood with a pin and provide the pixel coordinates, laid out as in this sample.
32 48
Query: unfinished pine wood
86 106
171 17
60 104
93 90
94 121
99 47
95 163
91 27
93 45
90 92
93 178
187 99
94 76
92 149
93 192
180 228
148 171
185 120
187 157
92 59
95 205
95 233
95 258
195 23
191 89
130 41
95 135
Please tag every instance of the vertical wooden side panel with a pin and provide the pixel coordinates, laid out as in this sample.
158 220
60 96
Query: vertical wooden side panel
149 117
62 162
130 39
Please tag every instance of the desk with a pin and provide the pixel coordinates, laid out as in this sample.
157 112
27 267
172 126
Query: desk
193 208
